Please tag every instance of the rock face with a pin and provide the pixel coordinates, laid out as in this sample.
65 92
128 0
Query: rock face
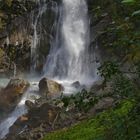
76 84
98 85
17 42
103 104
10 95
18 85
29 104
17 39
5 64
15 34
50 88
42 117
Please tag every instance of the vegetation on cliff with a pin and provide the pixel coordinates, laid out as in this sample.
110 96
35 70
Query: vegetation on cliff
111 108
121 42
114 124
9 9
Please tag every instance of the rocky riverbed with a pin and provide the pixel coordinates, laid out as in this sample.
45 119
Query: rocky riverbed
53 110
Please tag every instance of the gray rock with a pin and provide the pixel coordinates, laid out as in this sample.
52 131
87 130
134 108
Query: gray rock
29 104
98 85
50 88
10 95
102 104
76 84
18 84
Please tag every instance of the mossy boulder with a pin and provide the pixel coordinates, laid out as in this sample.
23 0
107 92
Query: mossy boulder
50 88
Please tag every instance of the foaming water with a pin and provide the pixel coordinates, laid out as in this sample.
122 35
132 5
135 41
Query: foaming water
69 57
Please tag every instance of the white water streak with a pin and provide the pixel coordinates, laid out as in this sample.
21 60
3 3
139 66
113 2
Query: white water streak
35 40
69 57
19 110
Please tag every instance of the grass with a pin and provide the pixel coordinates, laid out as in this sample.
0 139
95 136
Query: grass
109 125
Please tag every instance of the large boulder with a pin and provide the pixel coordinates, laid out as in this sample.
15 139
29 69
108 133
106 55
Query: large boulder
38 120
29 104
76 84
50 88
19 86
10 95
102 104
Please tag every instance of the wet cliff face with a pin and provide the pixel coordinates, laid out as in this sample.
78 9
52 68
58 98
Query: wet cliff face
16 38
15 34
16 42
46 32
100 19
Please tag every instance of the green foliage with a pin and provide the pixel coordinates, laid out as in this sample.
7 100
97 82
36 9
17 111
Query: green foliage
136 13
82 100
1 53
121 85
9 9
109 125
126 30
97 12
137 64
124 87
108 70
122 37
128 1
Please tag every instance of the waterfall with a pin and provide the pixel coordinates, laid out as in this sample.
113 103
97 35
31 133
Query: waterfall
19 111
69 57
35 40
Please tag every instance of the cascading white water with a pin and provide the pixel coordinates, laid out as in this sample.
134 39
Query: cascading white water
69 57
35 40
20 109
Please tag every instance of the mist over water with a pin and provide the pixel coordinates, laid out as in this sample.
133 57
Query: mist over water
69 55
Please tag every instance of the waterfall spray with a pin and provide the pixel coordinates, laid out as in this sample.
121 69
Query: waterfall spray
69 55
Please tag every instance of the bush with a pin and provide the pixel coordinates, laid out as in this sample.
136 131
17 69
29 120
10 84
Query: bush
124 87
82 100
114 124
